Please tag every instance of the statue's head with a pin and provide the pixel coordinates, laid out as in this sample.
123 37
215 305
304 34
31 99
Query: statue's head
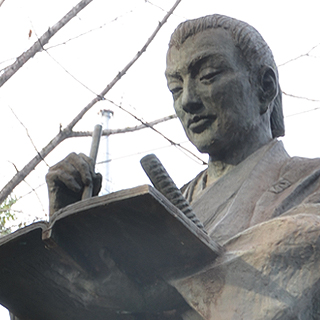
224 82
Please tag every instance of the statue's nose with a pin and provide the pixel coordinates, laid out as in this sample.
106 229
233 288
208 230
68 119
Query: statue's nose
191 101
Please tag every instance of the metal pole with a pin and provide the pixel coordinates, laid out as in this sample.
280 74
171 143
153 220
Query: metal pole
106 185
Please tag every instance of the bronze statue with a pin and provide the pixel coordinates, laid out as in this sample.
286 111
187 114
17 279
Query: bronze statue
255 200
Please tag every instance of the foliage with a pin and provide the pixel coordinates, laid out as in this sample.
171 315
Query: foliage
6 214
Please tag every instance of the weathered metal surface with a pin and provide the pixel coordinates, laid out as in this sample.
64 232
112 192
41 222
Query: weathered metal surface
107 257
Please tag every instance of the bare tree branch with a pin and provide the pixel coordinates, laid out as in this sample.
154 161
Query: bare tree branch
20 176
64 134
178 145
38 45
124 70
110 132
75 37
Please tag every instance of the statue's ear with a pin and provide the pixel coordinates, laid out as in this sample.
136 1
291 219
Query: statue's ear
268 87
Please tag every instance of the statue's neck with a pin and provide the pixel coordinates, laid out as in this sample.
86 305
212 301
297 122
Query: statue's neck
217 169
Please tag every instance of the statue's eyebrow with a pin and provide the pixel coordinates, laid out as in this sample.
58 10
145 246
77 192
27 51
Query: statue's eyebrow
200 59
173 75
218 58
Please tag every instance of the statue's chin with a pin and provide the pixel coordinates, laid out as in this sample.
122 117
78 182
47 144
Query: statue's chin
205 148
207 140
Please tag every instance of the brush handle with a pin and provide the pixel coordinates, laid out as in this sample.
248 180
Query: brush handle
96 135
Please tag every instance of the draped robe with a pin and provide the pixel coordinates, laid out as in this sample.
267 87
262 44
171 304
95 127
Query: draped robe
265 213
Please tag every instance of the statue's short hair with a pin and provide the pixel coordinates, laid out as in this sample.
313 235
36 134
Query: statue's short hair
255 50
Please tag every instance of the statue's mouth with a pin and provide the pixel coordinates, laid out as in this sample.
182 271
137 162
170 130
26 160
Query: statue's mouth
198 124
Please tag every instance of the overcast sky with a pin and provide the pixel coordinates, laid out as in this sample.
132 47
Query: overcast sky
42 95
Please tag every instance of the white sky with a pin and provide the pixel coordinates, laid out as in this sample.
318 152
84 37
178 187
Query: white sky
43 95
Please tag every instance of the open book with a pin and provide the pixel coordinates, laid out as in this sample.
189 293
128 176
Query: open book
108 257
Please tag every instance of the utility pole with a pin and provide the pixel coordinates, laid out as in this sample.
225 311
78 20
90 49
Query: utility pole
106 185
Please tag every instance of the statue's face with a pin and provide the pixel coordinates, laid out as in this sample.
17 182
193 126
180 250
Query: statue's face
213 96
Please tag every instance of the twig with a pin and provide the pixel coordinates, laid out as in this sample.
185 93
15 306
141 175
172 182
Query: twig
301 55
33 190
139 152
298 97
89 31
69 73
147 1
27 131
124 70
38 45
73 38
11 210
65 70
305 111
30 192
183 149
62 135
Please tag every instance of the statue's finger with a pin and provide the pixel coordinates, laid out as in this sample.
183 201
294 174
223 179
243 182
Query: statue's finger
61 176
82 166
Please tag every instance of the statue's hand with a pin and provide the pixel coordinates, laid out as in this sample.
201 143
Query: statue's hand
66 180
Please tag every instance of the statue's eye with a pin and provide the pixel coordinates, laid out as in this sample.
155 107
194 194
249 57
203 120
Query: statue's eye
176 91
209 75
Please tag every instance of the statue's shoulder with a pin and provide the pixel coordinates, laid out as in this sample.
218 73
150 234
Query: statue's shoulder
298 188
297 168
